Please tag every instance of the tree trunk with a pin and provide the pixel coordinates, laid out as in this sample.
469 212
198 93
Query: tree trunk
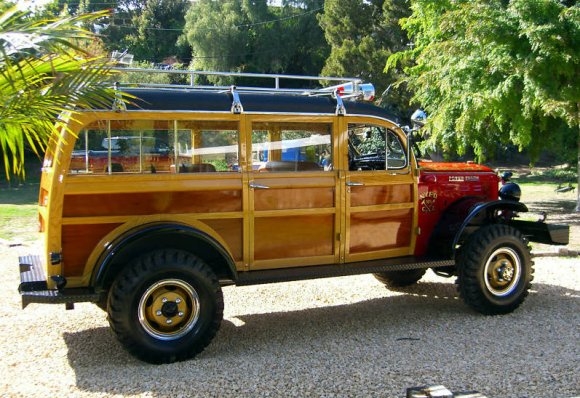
578 168
578 171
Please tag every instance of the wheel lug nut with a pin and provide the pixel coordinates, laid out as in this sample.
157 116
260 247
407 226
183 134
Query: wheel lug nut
158 312
164 300
168 321
180 314
178 300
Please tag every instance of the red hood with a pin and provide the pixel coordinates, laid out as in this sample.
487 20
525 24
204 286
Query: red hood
427 165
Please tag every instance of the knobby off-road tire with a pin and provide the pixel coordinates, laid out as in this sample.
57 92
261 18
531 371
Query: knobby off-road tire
394 279
166 306
495 270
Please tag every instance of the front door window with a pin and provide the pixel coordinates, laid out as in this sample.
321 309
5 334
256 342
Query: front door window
374 147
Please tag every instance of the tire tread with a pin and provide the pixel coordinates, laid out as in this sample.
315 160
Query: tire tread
123 289
469 268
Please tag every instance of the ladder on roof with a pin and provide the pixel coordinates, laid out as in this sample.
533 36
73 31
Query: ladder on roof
338 87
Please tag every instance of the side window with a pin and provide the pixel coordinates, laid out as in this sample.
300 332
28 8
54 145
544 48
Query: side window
373 147
123 146
279 146
138 146
156 146
396 154
87 147
206 146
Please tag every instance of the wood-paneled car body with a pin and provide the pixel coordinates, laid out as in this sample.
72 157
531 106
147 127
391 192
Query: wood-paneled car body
150 210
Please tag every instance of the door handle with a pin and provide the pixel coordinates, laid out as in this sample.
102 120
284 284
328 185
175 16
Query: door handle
258 186
354 184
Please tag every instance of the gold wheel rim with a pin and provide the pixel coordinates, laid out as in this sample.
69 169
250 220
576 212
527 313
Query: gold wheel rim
169 309
502 272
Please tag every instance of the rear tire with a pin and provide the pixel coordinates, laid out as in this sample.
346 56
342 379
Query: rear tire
166 306
394 279
495 270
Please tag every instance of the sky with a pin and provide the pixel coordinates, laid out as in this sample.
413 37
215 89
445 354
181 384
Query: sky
30 4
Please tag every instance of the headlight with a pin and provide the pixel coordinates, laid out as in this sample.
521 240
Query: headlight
510 191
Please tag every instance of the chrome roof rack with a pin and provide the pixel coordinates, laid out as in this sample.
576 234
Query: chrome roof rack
339 88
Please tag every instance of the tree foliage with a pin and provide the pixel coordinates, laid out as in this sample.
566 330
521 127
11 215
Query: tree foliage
250 36
495 71
362 35
147 29
159 25
44 70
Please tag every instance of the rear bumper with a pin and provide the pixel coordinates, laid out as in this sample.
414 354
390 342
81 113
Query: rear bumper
540 232
33 287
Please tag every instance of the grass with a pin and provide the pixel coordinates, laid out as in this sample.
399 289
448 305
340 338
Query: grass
19 207
18 214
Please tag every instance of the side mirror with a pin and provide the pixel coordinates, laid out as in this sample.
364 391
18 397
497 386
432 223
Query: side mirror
419 118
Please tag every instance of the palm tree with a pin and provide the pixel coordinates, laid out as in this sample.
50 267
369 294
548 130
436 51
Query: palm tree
45 71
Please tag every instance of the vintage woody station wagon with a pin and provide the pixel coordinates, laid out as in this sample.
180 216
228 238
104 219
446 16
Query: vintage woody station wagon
148 209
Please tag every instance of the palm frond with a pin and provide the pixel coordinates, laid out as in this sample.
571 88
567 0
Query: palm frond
45 71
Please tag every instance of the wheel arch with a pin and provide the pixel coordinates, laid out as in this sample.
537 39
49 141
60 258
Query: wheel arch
153 236
464 216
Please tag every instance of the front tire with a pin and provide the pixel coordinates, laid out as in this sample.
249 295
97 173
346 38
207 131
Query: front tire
166 306
495 270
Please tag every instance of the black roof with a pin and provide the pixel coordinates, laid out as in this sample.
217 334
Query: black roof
216 101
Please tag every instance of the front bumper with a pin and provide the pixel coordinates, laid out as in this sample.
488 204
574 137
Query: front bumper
33 286
540 232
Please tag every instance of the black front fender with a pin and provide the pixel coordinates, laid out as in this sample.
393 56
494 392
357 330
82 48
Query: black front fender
461 218
485 213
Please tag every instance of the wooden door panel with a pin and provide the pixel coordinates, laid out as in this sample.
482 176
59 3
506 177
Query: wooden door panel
380 230
293 198
292 237
380 194
295 219
379 191
293 201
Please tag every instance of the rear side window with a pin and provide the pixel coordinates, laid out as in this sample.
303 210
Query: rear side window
207 146
156 146
282 146
123 146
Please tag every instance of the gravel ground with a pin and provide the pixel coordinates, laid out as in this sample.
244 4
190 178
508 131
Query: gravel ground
340 337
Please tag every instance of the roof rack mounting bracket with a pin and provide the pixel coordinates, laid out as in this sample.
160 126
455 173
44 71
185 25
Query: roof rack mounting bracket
340 108
237 107
118 103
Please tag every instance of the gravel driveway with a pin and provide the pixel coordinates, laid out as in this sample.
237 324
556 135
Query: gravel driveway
339 337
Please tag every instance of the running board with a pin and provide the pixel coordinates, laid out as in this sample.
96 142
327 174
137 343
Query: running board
335 270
